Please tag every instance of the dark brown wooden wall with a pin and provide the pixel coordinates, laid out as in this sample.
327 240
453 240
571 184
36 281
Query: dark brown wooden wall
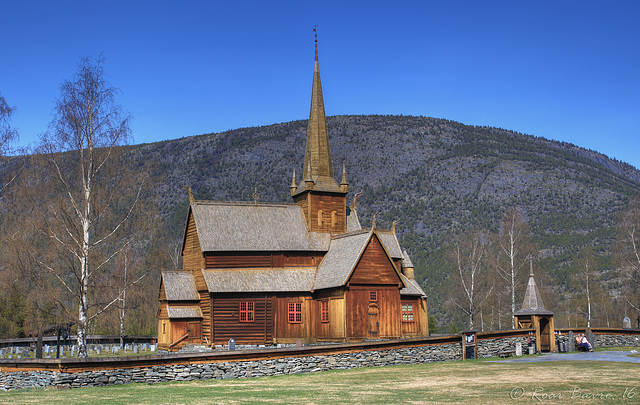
291 331
314 201
375 267
357 312
412 328
227 260
191 252
227 324
328 203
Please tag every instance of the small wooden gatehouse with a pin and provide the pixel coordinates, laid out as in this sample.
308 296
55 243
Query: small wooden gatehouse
279 273
534 315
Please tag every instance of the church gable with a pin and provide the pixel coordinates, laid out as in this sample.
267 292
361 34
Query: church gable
191 251
375 266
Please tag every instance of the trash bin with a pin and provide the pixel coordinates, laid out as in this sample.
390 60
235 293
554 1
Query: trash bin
563 347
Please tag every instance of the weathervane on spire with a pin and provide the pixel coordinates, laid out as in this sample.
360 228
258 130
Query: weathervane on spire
315 34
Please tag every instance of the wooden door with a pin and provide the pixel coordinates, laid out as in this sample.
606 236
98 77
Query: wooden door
194 328
545 339
178 330
373 322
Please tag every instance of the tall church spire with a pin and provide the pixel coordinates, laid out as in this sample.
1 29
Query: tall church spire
322 199
318 155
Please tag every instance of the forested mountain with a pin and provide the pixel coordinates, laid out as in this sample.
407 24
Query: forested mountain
436 178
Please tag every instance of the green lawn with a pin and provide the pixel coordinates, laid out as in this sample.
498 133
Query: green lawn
450 382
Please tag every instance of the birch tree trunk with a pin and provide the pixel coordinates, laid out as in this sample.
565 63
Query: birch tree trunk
84 223
513 248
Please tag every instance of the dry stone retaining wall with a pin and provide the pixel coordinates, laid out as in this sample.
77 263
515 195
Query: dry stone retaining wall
615 340
290 365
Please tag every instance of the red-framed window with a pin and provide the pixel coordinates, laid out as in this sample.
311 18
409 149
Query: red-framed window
324 311
373 296
247 311
295 312
407 312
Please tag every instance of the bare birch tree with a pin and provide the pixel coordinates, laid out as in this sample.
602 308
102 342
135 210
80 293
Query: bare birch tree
627 254
87 221
7 134
468 255
513 248
586 280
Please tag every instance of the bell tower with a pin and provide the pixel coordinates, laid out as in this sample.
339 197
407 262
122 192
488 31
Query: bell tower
322 199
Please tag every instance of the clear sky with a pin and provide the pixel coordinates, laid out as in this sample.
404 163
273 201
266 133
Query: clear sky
564 70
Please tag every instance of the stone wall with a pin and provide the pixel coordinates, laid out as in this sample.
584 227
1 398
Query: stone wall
292 365
494 347
615 340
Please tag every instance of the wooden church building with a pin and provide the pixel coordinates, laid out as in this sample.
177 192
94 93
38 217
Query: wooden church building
278 273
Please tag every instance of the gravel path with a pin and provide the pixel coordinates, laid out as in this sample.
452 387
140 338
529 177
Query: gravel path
581 356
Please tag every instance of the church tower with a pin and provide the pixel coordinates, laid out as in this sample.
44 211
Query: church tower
323 200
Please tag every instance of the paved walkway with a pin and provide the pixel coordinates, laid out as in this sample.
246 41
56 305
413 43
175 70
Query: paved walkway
580 356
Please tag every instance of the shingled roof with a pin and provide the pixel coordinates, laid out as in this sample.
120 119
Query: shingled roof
390 242
532 304
255 227
411 287
260 279
342 257
184 312
180 286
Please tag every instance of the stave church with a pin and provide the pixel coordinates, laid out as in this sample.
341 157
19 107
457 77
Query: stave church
306 271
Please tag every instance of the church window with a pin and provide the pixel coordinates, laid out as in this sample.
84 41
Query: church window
324 311
247 311
373 296
334 219
295 312
407 312
320 218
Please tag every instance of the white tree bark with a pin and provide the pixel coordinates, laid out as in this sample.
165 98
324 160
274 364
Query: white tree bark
88 125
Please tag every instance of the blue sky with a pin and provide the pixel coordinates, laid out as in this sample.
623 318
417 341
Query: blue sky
564 70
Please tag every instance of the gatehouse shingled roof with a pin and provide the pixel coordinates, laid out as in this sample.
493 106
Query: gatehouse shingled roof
260 279
180 286
254 227
532 304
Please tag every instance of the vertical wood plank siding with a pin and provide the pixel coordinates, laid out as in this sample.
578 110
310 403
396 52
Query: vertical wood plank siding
412 328
191 252
375 267
328 203
388 304
289 332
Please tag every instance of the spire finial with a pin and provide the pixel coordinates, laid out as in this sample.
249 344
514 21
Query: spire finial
315 34
255 195
530 266
344 181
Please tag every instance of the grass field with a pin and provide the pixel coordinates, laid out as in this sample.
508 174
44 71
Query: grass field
476 381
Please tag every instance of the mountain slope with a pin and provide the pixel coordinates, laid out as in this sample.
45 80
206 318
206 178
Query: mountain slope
434 177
